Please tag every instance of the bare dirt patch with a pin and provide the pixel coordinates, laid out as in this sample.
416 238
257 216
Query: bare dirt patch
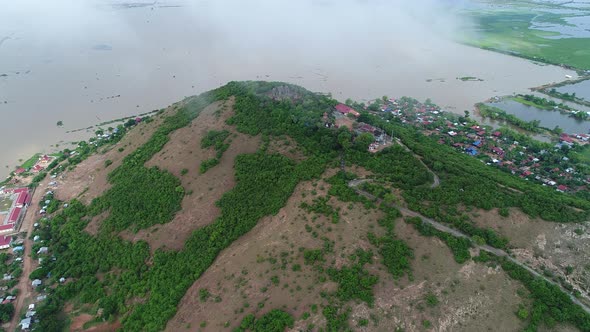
562 249
265 270
88 179
183 152
79 321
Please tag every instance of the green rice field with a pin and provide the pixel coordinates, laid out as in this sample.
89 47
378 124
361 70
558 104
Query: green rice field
534 30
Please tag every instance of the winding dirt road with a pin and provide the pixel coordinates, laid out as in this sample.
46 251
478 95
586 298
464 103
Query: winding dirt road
25 289
444 228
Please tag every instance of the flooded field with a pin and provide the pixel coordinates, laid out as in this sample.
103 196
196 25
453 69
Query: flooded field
549 119
581 89
109 60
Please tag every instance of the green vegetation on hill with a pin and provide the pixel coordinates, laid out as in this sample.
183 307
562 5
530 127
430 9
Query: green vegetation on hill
274 321
111 273
215 139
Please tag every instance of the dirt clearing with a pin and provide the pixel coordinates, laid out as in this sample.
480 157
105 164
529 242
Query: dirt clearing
265 270
183 152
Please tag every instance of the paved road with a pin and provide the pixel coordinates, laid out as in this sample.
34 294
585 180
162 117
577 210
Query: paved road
444 228
25 289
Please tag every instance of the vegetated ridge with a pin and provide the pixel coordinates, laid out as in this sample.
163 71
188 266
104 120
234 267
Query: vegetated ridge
126 281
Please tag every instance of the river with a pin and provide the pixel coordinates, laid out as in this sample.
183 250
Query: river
109 60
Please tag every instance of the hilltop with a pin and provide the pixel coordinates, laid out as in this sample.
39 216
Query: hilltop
246 208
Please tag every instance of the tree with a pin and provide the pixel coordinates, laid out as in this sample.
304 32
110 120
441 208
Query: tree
363 140
466 113
60 123
344 138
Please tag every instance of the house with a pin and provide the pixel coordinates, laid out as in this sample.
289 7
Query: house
344 109
366 128
41 298
36 283
526 173
19 171
497 133
5 242
42 250
498 151
62 280
30 314
25 323
477 144
32 306
452 133
562 188
471 150
566 139
481 133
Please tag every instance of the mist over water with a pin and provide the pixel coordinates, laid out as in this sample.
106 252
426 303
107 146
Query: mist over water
85 62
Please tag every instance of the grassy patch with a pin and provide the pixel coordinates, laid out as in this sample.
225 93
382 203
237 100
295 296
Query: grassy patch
31 161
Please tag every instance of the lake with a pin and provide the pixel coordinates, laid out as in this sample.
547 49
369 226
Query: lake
549 119
87 62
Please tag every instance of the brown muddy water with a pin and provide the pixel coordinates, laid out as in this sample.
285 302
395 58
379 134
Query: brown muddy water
88 63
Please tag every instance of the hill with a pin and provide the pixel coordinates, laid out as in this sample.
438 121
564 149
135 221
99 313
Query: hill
245 209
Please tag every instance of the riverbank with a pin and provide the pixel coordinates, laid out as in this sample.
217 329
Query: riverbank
552 91
550 105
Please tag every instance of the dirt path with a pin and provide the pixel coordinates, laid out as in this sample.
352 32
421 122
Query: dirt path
443 228
24 286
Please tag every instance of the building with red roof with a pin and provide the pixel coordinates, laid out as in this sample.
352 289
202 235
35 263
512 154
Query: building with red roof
14 214
5 242
497 133
19 170
566 138
22 199
345 109
6 228
498 151
561 188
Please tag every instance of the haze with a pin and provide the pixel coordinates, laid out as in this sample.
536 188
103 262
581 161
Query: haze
71 60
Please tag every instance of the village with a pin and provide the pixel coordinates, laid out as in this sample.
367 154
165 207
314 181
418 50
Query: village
15 201
546 163
22 249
